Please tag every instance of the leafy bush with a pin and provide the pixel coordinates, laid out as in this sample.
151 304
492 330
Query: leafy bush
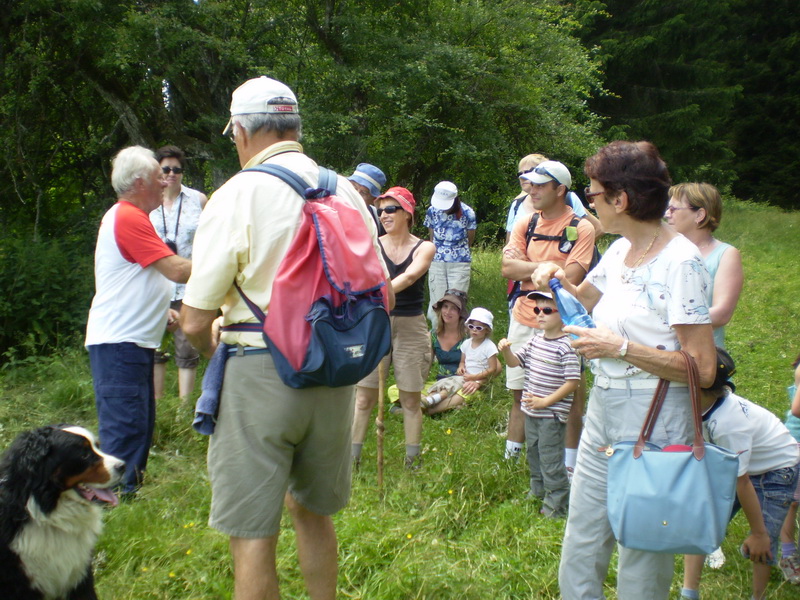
46 290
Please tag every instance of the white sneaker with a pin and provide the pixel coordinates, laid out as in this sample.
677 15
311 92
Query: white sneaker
716 559
790 566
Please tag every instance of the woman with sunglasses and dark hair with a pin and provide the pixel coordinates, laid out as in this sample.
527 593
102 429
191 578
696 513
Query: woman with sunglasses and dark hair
648 297
408 258
176 221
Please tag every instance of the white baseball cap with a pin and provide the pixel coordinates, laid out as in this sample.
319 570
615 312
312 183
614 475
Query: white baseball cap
444 194
259 96
482 316
549 170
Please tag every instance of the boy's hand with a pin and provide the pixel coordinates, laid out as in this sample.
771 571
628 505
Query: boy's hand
531 402
757 548
503 344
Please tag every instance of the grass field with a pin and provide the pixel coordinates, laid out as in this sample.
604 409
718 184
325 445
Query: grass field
461 527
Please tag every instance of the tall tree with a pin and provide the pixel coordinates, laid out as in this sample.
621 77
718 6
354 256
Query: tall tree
667 79
764 124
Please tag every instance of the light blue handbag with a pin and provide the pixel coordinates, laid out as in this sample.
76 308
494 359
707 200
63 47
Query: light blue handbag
676 499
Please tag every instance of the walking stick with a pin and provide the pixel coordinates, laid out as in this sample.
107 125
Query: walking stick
379 426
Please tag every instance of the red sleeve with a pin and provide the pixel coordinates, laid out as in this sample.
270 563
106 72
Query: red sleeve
136 239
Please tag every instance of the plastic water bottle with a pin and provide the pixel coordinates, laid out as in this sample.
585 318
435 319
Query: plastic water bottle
572 311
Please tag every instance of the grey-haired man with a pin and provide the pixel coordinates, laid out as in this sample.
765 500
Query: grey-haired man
272 444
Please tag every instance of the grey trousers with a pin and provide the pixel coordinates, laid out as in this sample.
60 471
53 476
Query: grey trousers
544 439
615 415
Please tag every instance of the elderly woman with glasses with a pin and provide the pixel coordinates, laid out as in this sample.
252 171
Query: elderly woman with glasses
648 297
408 258
176 221
695 210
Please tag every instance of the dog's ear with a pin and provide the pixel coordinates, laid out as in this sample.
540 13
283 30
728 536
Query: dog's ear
29 463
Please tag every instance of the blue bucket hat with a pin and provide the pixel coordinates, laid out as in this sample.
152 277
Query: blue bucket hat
371 177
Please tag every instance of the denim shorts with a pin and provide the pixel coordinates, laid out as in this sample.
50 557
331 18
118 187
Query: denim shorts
775 491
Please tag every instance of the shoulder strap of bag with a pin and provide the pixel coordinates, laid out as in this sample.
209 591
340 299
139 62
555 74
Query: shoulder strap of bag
698 447
325 187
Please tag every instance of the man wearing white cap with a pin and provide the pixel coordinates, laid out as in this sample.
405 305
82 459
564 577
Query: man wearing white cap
272 444
451 226
549 183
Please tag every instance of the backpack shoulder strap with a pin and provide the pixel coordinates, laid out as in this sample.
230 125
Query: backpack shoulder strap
531 228
289 177
327 180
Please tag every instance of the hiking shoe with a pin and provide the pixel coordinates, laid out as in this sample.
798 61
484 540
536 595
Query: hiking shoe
790 566
716 559
395 409
570 473
413 463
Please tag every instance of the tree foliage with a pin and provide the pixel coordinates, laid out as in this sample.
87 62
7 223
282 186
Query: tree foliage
428 90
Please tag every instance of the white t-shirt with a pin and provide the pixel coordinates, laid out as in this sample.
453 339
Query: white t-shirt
131 297
762 440
477 359
643 304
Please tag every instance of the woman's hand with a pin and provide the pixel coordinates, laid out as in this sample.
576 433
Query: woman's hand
598 342
173 320
470 387
545 272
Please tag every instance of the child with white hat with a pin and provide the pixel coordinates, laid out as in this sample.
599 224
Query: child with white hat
478 365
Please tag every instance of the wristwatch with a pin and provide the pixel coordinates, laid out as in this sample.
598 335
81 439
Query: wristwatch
623 350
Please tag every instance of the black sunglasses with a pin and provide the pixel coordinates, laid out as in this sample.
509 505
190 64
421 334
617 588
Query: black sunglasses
176 170
389 210
521 173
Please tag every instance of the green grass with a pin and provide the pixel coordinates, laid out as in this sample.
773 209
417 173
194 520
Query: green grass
461 527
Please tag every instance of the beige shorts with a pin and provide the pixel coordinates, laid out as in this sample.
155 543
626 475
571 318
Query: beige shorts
270 438
518 335
410 355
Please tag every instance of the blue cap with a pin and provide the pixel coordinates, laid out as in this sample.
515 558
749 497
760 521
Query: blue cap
371 177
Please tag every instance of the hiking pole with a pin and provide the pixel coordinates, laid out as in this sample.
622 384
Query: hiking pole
379 428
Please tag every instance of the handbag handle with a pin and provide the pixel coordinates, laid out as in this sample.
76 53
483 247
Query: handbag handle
698 447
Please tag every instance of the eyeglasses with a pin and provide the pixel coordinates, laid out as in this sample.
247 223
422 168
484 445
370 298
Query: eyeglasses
389 210
590 194
521 173
475 327
456 293
540 170
671 209
548 310
176 170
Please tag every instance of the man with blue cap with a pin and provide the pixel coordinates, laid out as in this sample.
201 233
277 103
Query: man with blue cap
368 180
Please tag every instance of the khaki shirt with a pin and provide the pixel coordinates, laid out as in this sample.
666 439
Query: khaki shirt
244 233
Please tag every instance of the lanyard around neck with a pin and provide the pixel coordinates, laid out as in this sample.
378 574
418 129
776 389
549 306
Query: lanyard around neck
177 219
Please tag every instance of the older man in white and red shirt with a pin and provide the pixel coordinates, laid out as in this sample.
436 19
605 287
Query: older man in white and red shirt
130 310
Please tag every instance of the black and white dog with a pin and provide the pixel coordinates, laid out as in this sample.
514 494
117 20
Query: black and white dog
52 483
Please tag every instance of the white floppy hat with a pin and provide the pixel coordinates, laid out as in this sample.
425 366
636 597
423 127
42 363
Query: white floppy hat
262 95
444 194
482 316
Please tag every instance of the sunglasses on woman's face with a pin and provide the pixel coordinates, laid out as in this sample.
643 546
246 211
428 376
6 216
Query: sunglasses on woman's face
176 170
389 210
475 327
548 310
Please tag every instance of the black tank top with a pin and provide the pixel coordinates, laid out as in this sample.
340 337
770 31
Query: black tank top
407 303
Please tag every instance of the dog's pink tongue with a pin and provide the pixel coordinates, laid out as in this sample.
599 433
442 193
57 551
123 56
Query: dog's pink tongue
101 494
